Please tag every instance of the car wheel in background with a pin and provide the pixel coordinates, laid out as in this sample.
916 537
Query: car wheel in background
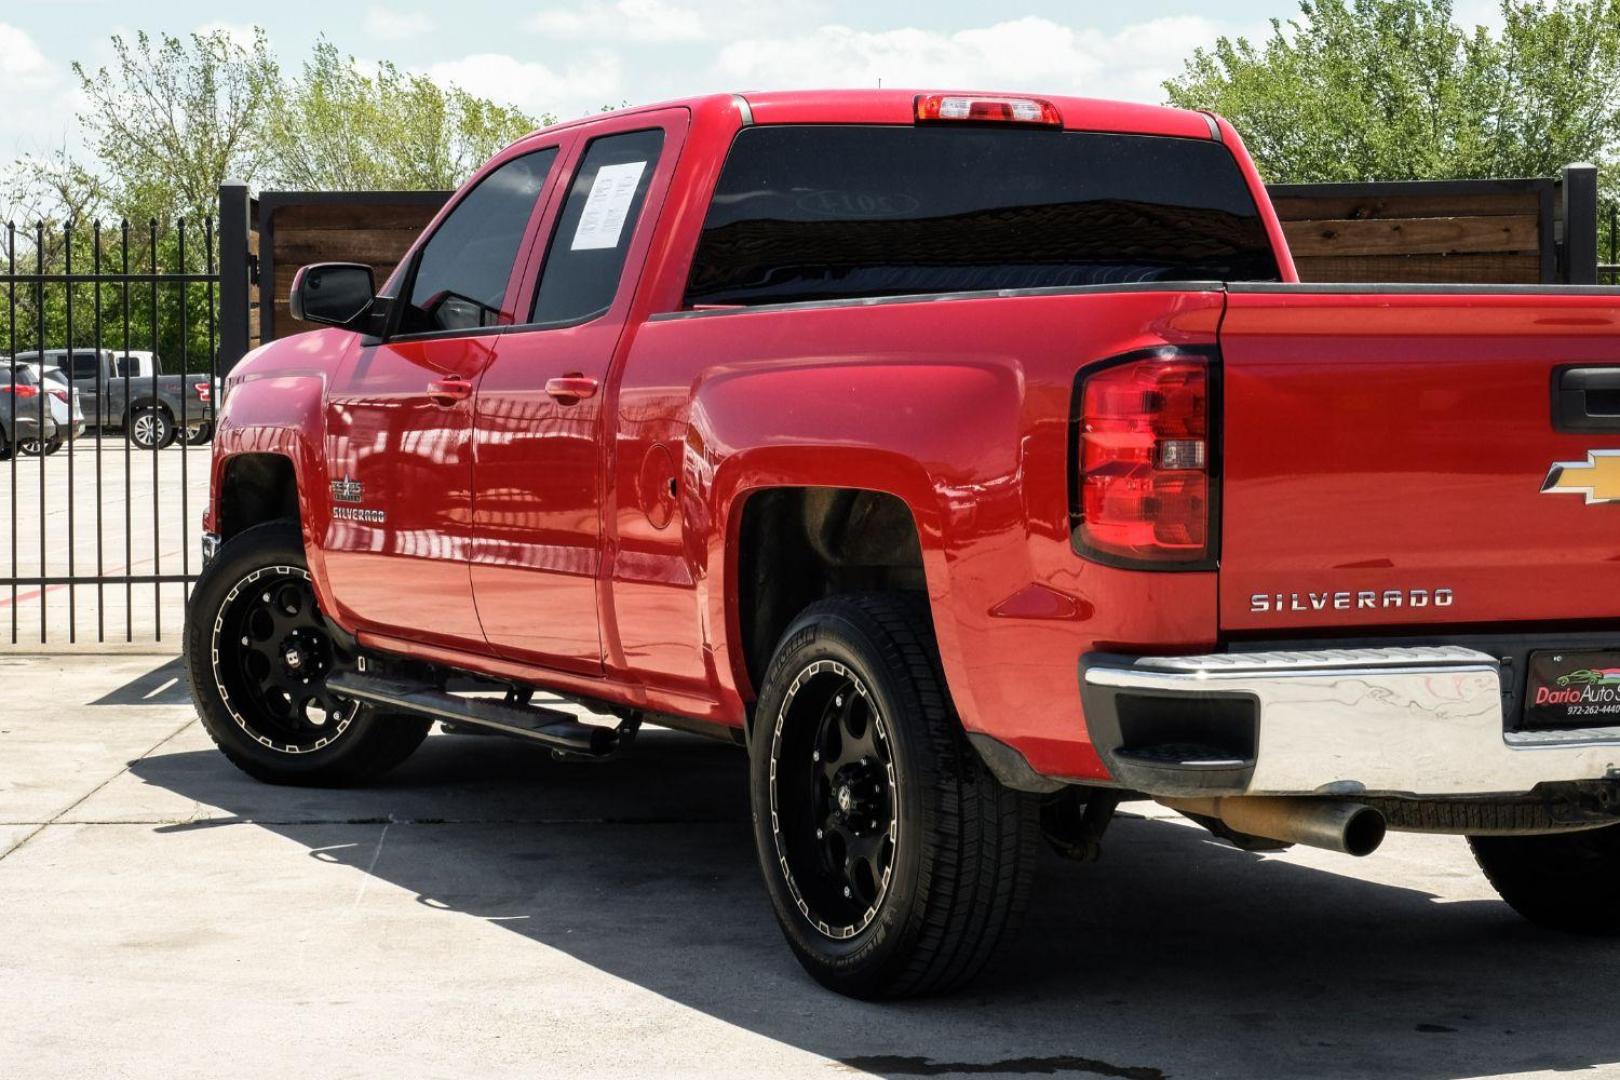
150 427
199 435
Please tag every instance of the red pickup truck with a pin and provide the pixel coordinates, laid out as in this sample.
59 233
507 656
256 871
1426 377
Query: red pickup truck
975 461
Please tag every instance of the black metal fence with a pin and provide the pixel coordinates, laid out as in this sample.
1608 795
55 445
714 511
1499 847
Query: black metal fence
102 531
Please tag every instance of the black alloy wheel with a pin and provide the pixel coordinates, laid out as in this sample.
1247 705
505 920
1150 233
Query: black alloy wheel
834 808
272 653
895 862
259 653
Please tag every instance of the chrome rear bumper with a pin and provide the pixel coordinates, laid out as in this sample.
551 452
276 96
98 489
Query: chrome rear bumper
1395 721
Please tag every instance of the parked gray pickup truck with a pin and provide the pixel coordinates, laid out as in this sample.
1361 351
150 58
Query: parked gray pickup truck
152 408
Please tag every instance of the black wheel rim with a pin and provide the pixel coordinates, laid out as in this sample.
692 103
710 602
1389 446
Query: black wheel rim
834 799
272 655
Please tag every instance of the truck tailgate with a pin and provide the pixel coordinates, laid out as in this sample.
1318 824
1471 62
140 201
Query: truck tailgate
1386 451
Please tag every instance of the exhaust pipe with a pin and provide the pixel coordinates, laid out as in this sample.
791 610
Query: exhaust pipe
1350 827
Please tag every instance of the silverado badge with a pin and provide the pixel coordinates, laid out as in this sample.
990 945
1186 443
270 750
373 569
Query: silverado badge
347 490
1598 477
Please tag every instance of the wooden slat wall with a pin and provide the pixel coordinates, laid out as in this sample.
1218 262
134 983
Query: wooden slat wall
377 231
1440 233
1446 232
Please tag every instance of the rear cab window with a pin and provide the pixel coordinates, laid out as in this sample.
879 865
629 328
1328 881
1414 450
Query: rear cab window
826 212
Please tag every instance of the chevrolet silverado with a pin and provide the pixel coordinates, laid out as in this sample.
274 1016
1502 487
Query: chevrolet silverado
975 461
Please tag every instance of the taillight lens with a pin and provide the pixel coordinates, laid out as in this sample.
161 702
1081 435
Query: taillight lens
979 108
59 395
23 391
1144 491
204 391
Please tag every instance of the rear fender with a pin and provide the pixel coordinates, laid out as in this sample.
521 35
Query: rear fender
951 453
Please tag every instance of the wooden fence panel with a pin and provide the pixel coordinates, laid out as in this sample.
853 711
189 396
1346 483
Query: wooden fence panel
299 228
1429 232
1425 232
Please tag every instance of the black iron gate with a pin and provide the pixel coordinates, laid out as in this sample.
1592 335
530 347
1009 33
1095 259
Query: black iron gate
102 531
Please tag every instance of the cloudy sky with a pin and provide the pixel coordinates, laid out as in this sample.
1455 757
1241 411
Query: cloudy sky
570 57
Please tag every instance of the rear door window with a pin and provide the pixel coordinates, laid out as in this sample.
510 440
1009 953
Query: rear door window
835 212
592 239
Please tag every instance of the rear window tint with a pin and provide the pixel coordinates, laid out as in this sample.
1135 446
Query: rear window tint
827 212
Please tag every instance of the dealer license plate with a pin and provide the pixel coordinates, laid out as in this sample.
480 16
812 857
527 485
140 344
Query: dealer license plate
1573 690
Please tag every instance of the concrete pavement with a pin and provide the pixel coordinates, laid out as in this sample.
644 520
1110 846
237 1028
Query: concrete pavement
489 912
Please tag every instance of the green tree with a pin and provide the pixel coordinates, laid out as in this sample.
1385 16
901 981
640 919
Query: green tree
173 119
338 127
1395 89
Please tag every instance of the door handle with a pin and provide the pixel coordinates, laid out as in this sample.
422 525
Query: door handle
446 392
568 389
1587 399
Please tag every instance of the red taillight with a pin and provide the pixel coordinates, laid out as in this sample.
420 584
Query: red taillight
59 395
204 391
988 109
23 391
1144 491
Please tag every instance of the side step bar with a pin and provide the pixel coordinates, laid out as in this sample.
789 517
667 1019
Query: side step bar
558 730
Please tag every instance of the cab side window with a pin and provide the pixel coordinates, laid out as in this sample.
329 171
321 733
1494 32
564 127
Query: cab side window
460 278
595 227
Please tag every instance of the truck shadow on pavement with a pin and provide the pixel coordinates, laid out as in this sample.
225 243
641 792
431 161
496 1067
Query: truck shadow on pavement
1173 956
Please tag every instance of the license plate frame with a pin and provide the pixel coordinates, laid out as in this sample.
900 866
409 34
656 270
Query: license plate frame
1568 689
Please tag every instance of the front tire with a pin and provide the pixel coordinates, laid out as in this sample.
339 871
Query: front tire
258 652
895 862
1564 881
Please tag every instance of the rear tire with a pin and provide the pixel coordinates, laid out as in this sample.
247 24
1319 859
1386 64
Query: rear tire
150 427
895 862
1564 881
257 653
200 435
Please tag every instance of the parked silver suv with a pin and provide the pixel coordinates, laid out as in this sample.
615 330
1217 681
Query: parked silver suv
24 418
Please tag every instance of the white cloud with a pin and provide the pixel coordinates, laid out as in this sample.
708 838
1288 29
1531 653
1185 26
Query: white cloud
629 20
52 99
585 86
1029 54
390 25
22 65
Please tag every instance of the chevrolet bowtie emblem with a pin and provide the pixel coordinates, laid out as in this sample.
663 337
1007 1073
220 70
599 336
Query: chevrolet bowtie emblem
1598 477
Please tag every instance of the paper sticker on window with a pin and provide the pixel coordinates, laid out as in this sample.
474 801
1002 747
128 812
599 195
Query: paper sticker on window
607 206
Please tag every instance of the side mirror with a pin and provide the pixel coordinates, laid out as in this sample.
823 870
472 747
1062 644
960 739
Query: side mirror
334 294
